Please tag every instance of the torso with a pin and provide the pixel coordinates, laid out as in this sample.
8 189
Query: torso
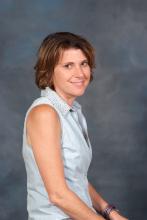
76 152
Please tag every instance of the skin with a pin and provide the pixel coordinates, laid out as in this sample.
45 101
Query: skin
71 78
71 75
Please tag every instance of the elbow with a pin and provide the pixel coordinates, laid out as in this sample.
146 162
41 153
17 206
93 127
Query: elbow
55 198
58 198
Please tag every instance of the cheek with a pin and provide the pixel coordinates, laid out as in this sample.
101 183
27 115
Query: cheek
61 77
88 73
89 78
57 75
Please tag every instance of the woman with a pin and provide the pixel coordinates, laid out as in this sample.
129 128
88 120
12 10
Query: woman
56 147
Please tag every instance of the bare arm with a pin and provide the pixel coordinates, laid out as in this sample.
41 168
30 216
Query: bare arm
44 134
99 203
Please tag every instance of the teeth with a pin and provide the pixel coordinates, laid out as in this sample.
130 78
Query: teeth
78 82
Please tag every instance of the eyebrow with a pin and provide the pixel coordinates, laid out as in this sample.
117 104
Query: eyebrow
70 62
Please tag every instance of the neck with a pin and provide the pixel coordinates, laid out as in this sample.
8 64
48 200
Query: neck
68 99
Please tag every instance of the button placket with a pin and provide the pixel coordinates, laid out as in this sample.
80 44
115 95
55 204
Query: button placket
76 119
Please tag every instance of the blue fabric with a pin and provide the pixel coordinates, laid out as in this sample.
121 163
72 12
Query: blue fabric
76 154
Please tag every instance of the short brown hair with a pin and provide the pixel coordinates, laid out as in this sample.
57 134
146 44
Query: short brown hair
50 51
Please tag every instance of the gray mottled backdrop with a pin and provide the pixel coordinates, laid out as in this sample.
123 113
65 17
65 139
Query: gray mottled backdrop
115 104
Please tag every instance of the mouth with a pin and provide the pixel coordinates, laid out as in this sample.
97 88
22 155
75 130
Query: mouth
78 84
81 82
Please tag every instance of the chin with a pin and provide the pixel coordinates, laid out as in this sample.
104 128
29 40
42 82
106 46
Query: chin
79 93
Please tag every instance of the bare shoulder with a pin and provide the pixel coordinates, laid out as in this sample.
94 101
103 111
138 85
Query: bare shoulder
42 119
42 112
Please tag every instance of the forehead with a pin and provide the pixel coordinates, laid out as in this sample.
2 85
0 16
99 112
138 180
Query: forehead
72 54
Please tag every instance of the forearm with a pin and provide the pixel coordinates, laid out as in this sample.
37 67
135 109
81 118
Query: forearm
71 204
98 202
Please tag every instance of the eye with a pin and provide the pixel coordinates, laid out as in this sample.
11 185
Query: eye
68 66
85 63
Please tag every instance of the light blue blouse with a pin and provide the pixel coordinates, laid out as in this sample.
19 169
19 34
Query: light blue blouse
76 154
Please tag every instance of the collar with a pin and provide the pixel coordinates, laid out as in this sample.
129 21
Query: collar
59 102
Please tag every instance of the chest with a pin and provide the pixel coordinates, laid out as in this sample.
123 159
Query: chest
76 148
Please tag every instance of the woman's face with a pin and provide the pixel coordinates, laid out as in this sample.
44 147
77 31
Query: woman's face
71 74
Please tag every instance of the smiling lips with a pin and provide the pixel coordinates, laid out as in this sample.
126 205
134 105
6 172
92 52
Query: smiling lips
78 83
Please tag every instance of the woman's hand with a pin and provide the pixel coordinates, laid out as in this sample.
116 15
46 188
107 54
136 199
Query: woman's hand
114 215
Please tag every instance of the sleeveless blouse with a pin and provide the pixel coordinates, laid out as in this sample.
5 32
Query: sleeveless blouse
76 154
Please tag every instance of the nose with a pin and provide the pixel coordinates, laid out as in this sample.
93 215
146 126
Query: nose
79 72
